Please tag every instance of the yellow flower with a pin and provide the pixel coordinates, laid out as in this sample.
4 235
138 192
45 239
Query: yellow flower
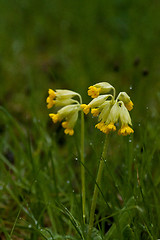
125 130
93 91
68 108
61 98
96 102
110 127
123 96
110 110
70 114
69 131
98 88
50 102
52 93
95 112
129 105
100 125
85 108
55 117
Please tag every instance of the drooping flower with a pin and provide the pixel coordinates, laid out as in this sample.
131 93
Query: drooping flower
60 97
99 88
95 103
110 110
68 108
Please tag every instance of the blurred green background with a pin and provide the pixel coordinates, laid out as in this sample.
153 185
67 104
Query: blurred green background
71 44
74 44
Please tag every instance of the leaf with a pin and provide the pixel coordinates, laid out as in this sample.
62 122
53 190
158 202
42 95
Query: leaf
125 217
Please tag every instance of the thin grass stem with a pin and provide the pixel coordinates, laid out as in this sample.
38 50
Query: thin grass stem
98 181
82 167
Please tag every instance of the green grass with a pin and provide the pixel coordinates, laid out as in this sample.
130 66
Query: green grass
72 45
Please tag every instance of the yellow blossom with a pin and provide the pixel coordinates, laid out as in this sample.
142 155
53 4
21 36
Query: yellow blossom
55 117
100 88
123 96
100 125
125 130
110 110
110 127
95 112
85 108
69 131
129 105
64 124
52 93
68 108
93 91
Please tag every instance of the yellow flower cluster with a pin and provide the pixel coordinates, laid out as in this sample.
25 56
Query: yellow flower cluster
108 109
68 108
104 105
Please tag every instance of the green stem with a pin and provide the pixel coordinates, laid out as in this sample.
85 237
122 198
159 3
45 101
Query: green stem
82 167
97 184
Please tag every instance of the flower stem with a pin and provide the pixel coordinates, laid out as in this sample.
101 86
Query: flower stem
97 184
82 167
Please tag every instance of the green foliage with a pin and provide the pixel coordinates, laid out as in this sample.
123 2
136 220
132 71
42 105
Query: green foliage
72 45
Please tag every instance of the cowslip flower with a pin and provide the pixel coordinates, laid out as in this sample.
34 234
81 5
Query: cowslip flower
68 108
99 88
109 110
60 97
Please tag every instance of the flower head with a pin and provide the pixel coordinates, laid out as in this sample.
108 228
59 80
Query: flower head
60 98
102 87
110 110
68 108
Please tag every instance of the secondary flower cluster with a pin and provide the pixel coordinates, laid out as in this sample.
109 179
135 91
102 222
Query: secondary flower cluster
68 108
108 109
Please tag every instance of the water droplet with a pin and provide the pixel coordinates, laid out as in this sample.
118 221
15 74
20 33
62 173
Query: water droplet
130 87
35 222
68 181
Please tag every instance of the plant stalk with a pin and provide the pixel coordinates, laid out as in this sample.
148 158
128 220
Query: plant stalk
82 167
98 181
